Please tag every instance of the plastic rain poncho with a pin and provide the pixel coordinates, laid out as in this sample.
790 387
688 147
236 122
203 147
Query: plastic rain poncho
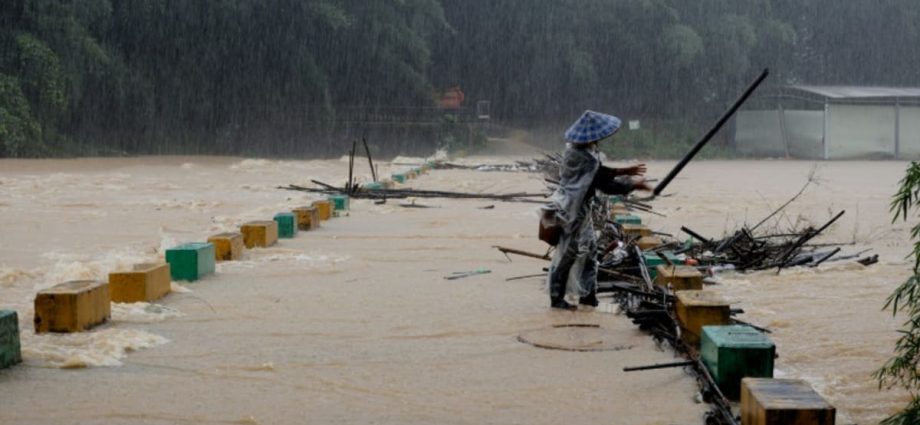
574 260
574 266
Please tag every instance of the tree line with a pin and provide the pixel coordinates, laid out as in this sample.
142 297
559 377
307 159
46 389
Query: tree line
244 76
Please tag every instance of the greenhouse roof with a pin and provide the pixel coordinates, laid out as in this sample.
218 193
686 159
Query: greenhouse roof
858 92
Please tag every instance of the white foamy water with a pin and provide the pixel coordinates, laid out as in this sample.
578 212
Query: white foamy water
74 266
143 312
102 347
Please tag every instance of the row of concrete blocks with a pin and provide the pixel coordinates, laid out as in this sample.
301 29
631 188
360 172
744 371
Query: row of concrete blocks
81 305
739 358
408 175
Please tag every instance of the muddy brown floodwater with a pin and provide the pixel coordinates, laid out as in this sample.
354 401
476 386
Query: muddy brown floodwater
354 323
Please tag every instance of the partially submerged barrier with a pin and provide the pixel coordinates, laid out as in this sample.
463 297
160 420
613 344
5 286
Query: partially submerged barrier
287 225
260 234
783 401
73 306
228 246
10 349
678 277
325 209
144 282
695 309
734 352
191 261
307 218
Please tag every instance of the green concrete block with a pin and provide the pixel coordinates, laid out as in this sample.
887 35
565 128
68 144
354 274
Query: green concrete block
287 225
10 351
191 261
653 260
340 202
399 178
374 186
615 199
627 219
735 352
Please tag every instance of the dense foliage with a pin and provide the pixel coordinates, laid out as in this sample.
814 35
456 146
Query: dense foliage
227 76
904 368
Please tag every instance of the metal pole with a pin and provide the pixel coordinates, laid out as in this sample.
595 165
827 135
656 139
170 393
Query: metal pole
782 126
897 128
826 117
712 131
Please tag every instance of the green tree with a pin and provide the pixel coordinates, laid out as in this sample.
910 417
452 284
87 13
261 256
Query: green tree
904 368
20 134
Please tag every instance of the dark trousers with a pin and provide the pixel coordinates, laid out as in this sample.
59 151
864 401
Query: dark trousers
583 248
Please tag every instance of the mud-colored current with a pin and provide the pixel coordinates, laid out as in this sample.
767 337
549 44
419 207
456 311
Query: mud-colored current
354 323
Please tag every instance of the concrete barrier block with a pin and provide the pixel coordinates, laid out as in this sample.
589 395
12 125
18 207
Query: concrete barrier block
399 178
339 202
287 225
259 234
325 209
734 352
374 186
618 210
627 219
145 282
654 259
636 230
307 218
695 309
73 306
646 243
680 278
191 261
767 401
228 246
10 349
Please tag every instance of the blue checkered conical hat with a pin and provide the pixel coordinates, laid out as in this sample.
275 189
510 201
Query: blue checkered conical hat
592 126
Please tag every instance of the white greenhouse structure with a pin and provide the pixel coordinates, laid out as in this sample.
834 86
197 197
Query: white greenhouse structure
831 122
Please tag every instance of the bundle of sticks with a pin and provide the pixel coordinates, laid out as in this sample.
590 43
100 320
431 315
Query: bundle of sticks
651 310
517 166
747 249
358 192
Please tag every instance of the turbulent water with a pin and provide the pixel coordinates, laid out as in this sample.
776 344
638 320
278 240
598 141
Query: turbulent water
355 323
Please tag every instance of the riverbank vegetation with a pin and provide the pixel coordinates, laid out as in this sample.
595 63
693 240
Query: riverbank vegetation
298 77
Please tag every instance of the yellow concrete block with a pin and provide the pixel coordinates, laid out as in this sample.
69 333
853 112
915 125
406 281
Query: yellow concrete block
618 209
260 233
72 306
145 282
680 278
388 184
636 230
324 207
767 401
307 217
646 243
695 309
228 246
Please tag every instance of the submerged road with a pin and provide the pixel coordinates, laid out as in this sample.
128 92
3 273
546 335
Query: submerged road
352 323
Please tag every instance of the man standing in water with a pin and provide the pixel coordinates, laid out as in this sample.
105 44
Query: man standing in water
574 263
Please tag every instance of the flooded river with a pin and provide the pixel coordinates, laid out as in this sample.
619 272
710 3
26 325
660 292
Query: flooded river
354 323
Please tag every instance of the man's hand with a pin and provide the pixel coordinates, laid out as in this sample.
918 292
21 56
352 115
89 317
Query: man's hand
639 183
634 170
